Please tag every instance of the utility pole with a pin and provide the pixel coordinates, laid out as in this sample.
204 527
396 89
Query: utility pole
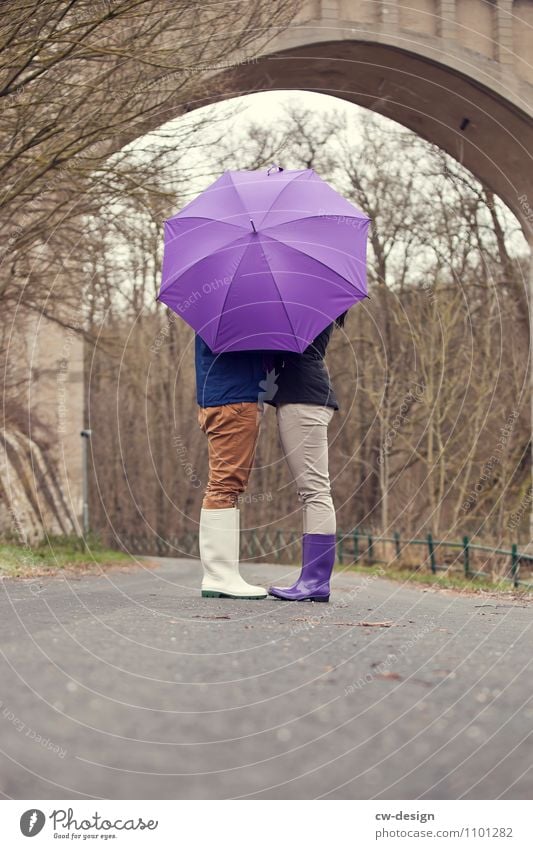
85 435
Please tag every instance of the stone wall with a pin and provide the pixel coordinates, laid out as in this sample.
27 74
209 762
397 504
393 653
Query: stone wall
40 455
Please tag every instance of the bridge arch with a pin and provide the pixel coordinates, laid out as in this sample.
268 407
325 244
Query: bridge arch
457 72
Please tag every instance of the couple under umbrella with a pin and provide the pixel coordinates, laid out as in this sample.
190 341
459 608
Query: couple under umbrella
264 267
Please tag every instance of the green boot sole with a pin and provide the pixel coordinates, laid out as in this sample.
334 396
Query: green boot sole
215 594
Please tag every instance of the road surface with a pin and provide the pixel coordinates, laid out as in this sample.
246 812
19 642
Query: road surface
129 685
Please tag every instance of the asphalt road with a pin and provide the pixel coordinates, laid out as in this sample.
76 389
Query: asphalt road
130 685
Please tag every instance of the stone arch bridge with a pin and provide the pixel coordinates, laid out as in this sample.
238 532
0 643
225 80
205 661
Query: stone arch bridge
457 72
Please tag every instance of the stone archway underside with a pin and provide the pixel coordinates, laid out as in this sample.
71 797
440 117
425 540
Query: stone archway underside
489 135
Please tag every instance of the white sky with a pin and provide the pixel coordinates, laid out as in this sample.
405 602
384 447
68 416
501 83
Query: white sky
265 107
262 107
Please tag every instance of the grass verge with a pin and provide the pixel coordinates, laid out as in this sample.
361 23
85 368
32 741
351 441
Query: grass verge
440 580
58 554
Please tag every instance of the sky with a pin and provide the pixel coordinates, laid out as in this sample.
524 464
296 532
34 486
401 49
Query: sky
263 107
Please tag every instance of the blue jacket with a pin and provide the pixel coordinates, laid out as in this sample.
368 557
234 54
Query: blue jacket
227 378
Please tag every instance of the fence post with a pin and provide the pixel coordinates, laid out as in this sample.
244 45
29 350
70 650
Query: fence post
340 548
431 554
515 564
356 545
370 549
397 543
466 556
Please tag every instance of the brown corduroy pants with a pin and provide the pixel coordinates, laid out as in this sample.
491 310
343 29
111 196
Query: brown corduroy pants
232 432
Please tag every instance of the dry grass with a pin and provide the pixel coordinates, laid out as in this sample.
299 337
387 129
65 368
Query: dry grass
442 580
65 555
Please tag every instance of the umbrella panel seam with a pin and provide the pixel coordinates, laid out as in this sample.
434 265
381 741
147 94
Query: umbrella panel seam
279 293
201 259
241 201
364 219
287 184
227 293
319 261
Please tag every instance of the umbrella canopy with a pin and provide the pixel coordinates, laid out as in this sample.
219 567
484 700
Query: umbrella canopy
264 260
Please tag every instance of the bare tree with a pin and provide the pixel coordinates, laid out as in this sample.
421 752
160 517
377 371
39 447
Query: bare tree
80 79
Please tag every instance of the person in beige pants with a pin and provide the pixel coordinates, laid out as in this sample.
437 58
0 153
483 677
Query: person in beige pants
303 433
305 404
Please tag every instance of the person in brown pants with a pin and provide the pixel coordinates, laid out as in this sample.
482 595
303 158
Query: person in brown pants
230 410
232 432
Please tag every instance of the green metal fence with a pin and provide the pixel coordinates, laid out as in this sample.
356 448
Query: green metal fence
360 545
276 546
357 546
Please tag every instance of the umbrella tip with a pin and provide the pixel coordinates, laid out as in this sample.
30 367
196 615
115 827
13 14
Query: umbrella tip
253 225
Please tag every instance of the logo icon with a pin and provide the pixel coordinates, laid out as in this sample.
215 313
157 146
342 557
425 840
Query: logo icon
31 822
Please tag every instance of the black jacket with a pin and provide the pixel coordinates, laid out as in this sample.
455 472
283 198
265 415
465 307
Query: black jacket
303 378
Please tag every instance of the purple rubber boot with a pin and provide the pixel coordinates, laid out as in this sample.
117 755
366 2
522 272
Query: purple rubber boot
318 559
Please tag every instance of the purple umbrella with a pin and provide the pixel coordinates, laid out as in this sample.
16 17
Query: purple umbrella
264 260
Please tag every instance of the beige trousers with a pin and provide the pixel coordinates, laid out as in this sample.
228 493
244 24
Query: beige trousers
303 431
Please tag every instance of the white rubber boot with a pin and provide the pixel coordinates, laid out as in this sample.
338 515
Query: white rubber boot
219 552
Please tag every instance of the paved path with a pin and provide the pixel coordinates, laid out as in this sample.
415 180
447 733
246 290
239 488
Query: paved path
132 686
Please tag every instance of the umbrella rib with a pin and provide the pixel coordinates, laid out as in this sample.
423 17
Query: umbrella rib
180 217
227 293
363 218
292 248
235 189
287 184
279 293
196 261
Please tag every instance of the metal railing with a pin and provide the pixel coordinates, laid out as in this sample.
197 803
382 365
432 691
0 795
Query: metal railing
362 545
278 546
357 546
